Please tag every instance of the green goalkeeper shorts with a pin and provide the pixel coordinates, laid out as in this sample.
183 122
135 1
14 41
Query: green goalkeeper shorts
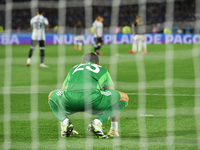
93 102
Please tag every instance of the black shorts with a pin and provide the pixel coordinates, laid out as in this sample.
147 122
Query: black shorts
35 42
98 40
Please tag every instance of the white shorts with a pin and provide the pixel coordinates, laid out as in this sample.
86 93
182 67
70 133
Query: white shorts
78 38
139 37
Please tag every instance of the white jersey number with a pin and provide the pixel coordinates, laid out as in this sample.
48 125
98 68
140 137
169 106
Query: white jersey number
59 93
96 70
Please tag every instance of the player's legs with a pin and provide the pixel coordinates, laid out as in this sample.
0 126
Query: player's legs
100 43
114 127
111 104
67 128
144 44
118 101
96 46
57 104
42 54
99 40
134 45
80 38
140 43
80 45
114 120
135 40
33 44
75 42
99 47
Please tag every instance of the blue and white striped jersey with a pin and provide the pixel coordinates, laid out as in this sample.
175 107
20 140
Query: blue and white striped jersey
38 24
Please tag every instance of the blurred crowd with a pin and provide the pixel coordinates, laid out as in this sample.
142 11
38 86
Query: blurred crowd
184 15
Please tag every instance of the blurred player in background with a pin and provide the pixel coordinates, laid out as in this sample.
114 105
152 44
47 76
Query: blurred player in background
78 31
38 25
98 33
88 87
138 29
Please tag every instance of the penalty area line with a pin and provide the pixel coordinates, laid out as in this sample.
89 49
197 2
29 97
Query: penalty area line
156 94
147 115
43 92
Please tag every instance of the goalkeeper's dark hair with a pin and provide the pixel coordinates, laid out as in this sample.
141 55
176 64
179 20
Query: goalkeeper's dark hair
90 57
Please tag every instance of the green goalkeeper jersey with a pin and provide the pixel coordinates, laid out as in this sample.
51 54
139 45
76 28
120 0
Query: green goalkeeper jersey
87 76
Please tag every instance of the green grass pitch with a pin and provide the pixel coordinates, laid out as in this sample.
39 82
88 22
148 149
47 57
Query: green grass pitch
153 131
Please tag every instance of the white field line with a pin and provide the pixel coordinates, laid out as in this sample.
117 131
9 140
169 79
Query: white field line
147 115
184 111
163 94
121 85
153 94
180 54
159 56
178 83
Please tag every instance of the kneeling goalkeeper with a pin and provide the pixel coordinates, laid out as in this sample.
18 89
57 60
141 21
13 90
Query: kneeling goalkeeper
89 88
